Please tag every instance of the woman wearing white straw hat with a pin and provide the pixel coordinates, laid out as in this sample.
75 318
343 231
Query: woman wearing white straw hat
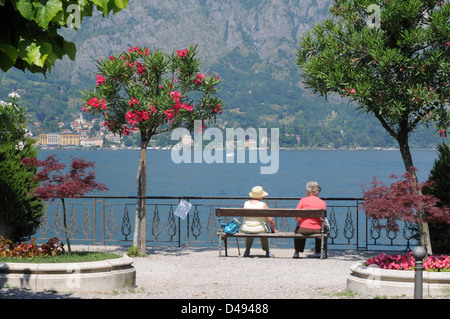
256 225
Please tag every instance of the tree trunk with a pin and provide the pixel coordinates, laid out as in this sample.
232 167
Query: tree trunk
139 238
6 231
69 250
408 162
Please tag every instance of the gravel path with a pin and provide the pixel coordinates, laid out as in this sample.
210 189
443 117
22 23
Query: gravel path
199 273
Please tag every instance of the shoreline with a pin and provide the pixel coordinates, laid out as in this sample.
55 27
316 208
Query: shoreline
281 149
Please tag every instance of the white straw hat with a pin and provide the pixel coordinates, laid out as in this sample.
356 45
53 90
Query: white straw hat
257 192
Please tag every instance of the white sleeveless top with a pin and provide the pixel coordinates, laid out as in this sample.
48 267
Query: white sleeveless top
254 224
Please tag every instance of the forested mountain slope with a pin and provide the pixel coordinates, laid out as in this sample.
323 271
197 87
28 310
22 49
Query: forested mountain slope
251 44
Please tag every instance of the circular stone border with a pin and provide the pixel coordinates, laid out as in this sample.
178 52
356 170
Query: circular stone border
389 282
94 276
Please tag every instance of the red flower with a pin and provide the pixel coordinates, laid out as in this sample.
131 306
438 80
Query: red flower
199 78
96 103
100 79
182 53
133 101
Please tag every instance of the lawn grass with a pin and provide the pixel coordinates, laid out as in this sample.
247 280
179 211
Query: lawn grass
77 256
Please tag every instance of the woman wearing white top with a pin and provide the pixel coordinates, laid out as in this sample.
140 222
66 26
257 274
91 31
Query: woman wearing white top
256 225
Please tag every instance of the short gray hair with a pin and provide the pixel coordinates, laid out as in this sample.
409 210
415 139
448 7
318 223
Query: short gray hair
313 187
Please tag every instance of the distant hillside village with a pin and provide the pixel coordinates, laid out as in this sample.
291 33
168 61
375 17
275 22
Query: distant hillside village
77 136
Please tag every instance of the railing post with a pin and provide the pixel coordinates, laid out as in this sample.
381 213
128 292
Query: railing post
419 254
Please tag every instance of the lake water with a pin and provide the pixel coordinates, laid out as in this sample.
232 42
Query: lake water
341 173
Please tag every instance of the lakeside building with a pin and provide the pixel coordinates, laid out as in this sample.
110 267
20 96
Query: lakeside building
70 139
50 139
91 142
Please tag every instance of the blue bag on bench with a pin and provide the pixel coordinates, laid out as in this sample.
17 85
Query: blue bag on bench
232 227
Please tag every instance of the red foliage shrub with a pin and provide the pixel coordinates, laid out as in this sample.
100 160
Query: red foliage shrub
402 200
23 250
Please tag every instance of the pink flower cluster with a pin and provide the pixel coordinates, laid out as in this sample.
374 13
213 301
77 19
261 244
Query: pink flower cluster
138 116
136 49
406 262
137 66
100 80
133 102
218 108
349 91
199 78
94 103
182 53
170 113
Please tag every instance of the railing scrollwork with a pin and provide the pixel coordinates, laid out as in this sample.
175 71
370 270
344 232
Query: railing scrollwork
349 228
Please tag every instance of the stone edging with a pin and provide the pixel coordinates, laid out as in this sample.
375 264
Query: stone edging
376 281
96 276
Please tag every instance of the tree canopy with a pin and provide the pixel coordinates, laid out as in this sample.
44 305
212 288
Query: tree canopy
29 38
392 58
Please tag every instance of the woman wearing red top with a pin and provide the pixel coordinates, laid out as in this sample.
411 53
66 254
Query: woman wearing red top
308 226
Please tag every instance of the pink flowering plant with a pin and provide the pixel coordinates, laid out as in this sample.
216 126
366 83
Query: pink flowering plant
407 261
149 92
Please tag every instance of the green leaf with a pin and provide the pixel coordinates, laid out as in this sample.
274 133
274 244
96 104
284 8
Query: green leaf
121 4
8 56
70 49
25 8
34 53
45 13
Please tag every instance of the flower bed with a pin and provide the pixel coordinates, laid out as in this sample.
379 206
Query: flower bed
106 275
406 262
394 275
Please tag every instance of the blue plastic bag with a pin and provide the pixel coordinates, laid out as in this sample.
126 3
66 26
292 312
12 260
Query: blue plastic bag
232 227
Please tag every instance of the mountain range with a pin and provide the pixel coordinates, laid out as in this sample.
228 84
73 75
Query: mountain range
250 44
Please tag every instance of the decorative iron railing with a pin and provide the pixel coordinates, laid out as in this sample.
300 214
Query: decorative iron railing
110 220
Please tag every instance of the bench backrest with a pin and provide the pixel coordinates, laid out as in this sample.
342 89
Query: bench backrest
270 212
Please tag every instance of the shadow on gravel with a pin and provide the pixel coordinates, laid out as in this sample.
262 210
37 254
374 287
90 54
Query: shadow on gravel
16 293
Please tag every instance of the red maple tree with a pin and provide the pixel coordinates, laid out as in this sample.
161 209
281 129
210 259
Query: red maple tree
57 183
403 200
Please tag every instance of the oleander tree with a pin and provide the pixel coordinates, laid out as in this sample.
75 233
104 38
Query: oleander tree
150 92
56 182
29 38
390 59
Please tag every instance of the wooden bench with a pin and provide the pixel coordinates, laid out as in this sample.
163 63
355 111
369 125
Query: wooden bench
273 212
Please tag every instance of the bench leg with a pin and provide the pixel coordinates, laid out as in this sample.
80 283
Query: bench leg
220 244
225 240
322 245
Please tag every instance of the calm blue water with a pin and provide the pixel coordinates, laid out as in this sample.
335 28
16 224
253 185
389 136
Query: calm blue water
340 173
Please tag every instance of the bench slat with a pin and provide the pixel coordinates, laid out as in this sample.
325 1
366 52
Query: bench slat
274 235
271 212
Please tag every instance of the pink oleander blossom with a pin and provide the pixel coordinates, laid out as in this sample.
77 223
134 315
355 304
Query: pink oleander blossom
100 80
95 103
133 102
199 78
182 53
